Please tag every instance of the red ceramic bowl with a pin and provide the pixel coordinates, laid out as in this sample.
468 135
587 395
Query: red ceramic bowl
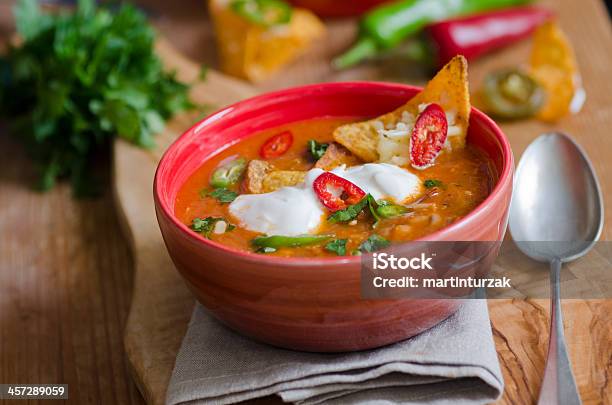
335 8
311 304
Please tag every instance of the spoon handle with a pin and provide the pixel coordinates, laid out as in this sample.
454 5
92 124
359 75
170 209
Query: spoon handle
559 386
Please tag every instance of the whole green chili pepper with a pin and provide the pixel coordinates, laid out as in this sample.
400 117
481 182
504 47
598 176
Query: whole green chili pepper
229 173
386 26
279 241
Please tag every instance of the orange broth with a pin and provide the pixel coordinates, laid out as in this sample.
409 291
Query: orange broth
467 177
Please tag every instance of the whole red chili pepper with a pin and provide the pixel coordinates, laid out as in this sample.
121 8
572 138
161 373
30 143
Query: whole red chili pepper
482 33
326 187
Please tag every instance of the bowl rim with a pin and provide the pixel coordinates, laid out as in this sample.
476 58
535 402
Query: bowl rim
163 208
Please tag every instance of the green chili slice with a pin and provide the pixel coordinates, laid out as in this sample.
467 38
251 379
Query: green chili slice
391 210
512 94
280 241
229 173
263 12
383 209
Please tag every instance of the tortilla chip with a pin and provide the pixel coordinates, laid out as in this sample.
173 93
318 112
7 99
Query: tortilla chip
449 89
553 65
336 155
255 52
282 178
255 173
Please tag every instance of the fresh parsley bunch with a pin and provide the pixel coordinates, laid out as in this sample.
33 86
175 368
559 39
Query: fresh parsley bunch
79 79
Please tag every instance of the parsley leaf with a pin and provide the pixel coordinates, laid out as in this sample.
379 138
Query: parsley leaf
431 183
223 195
207 225
349 213
80 79
338 246
373 243
316 149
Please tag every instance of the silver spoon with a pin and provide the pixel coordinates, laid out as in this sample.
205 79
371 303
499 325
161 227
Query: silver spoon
556 216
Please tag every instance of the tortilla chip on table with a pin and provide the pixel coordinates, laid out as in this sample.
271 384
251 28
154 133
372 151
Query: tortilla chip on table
255 52
553 65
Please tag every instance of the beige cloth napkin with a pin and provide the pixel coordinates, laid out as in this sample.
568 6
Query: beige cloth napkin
453 363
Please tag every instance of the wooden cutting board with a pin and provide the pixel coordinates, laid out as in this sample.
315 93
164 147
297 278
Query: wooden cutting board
162 306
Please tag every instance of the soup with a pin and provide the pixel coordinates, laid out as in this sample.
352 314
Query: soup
279 216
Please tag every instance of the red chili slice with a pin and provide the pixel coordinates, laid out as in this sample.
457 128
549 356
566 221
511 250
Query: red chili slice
350 193
428 136
276 145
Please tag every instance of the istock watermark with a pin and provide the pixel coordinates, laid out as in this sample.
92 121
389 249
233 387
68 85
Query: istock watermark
383 261
456 270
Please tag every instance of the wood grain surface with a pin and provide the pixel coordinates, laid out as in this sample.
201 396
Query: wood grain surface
520 326
66 271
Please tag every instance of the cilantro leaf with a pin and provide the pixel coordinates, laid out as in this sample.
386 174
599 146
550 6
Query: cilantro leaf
349 213
207 225
78 80
316 149
373 243
337 246
374 206
431 183
223 195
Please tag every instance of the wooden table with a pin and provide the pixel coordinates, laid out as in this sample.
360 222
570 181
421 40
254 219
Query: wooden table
66 278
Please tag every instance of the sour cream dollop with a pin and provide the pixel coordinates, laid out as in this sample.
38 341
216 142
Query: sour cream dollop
382 180
297 210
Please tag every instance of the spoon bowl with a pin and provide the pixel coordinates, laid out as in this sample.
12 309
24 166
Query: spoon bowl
556 216
557 208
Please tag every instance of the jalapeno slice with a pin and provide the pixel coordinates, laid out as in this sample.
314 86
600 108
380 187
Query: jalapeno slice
280 241
512 94
228 173
263 12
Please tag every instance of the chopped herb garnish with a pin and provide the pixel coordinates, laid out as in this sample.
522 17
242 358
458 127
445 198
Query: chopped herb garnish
349 213
337 246
223 195
431 183
374 206
373 243
316 149
207 225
